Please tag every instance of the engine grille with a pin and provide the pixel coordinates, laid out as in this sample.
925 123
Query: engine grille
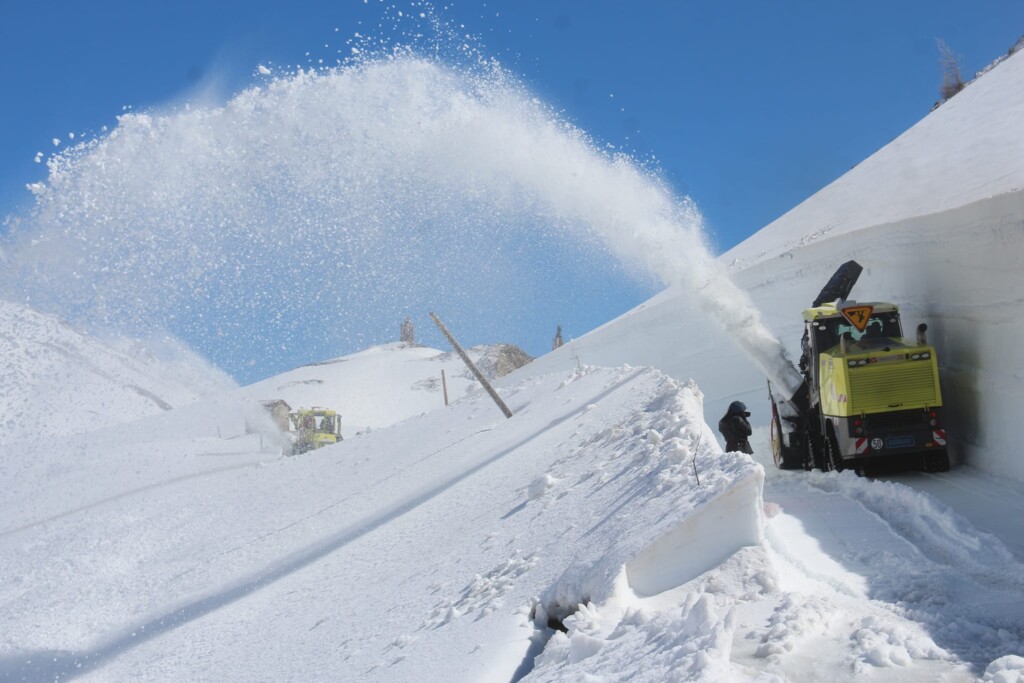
874 388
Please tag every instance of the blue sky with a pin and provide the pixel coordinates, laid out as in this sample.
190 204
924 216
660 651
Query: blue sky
747 107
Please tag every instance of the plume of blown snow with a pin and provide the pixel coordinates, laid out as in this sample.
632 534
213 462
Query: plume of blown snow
325 194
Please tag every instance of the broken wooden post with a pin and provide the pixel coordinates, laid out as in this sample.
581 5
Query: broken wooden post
472 366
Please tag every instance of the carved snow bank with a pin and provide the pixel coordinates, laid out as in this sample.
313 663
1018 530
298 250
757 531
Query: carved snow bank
702 541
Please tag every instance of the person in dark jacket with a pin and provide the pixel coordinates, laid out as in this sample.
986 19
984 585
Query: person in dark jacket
736 429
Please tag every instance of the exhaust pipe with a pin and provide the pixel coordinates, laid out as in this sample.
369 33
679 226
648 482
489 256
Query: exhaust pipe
922 338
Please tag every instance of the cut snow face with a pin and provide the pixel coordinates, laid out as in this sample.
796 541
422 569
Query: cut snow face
311 209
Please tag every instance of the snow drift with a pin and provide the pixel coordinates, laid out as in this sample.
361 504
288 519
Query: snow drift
585 497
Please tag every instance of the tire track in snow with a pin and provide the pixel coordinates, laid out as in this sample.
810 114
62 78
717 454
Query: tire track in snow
326 508
128 494
992 505
95 369
933 528
912 556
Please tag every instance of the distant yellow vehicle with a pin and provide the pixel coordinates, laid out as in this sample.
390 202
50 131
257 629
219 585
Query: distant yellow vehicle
315 428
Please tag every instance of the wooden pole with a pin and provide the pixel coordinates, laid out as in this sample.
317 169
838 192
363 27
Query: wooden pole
472 367
444 386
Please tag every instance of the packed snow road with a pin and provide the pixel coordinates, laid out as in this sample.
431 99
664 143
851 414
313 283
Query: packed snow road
942 553
993 505
881 542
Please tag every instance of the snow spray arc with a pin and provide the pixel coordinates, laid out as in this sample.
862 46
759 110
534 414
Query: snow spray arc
318 189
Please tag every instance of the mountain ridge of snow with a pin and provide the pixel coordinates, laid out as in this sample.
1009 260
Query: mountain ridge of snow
920 173
387 383
59 381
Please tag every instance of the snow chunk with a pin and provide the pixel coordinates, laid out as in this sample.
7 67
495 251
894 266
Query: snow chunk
797 619
692 643
540 486
582 646
890 645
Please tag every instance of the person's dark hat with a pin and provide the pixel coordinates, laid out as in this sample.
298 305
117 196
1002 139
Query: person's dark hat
738 408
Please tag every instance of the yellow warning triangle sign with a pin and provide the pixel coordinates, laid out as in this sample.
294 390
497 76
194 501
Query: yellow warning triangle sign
858 316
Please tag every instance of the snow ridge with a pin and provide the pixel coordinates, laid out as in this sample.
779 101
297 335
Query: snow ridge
57 381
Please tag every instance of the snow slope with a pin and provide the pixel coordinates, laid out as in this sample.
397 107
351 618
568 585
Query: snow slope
447 547
385 384
937 220
440 535
56 381
450 546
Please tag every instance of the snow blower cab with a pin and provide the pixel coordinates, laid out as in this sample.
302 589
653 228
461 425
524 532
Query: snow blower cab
315 428
872 395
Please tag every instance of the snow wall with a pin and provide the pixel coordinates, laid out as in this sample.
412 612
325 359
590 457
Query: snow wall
937 220
960 272
969 293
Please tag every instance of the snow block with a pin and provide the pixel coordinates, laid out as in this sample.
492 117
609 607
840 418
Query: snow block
703 540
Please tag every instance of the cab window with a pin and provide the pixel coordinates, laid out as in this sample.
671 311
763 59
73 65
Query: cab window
828 332
878 327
